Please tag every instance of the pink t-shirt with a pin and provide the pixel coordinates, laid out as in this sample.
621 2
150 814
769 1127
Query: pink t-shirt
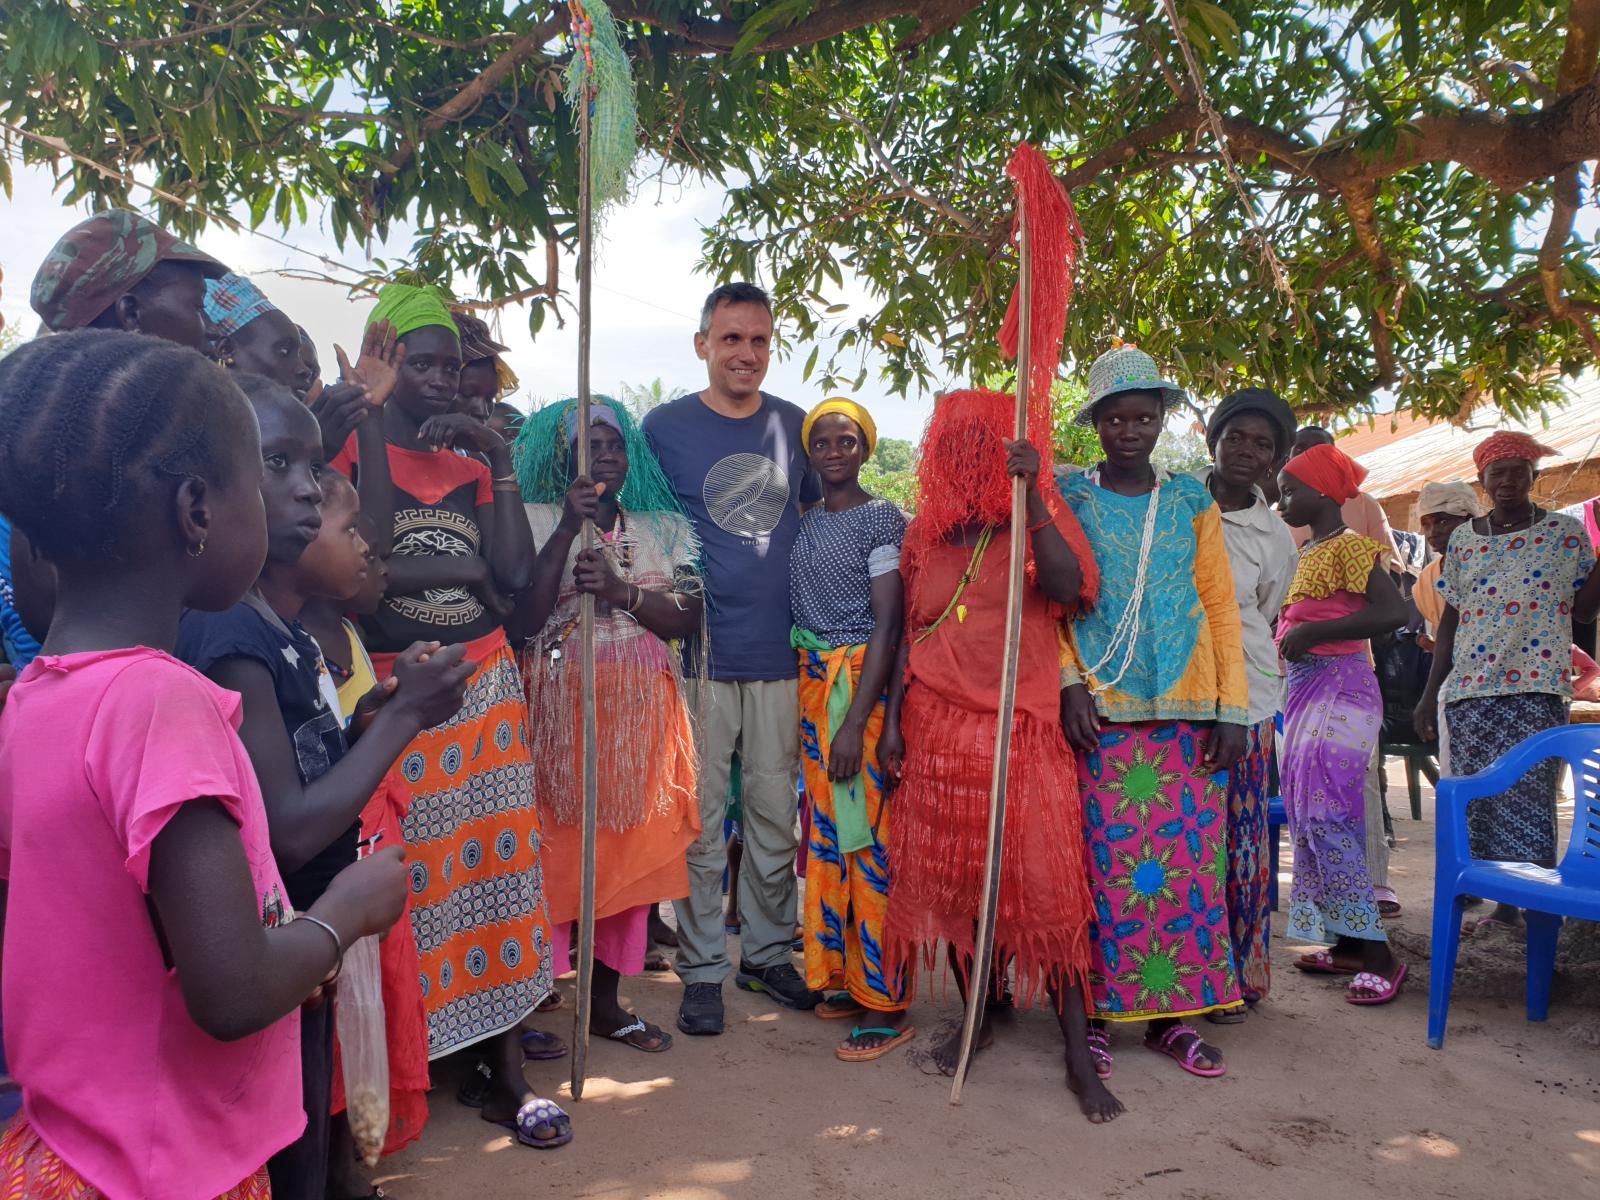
97 752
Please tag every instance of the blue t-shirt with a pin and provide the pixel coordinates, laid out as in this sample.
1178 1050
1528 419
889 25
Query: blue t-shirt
315 729
741 480
20 647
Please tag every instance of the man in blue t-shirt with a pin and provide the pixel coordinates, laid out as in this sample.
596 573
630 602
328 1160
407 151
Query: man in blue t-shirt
736 459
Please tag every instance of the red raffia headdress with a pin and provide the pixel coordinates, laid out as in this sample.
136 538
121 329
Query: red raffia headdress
961 473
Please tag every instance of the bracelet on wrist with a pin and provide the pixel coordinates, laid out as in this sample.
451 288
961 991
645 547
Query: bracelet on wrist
338 942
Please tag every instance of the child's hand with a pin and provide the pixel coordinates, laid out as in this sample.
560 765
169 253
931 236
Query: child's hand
368 896
370 705
432 682
338 410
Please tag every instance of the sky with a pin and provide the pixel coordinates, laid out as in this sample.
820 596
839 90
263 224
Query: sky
647 296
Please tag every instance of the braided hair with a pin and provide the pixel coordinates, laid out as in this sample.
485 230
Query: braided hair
94 422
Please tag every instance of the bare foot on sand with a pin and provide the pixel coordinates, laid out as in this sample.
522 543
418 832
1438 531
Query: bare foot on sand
1094 1098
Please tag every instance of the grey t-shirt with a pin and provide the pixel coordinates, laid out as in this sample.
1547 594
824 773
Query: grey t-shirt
741 480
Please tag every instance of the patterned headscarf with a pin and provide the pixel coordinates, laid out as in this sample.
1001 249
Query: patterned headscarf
477 345
1330 470
232 302
1507 444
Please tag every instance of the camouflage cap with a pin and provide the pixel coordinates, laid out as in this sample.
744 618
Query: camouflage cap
98 261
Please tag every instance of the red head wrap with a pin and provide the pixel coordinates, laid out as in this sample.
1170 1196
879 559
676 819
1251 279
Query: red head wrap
1508 445
1328 469
961 472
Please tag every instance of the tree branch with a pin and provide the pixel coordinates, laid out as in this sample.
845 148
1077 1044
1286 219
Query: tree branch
1578 58
700 34
473 93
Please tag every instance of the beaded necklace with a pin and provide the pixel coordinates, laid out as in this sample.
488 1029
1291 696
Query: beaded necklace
1125 636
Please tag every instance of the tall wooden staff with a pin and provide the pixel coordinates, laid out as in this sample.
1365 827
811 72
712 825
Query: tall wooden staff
988 909
580 1017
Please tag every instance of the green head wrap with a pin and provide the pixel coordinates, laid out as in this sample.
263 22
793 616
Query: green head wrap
409 308
544 446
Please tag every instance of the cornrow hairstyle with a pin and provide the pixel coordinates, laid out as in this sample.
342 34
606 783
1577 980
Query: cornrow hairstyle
542 454
95 422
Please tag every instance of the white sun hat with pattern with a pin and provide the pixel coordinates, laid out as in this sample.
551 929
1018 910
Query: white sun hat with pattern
1127 369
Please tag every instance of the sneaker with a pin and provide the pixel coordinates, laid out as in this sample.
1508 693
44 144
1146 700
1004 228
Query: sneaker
700 1014
782 982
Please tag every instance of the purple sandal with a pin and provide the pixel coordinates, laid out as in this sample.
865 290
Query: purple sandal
1185 1055
539 1046
537 1113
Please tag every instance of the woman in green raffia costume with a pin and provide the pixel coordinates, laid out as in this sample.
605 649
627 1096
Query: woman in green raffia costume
648 595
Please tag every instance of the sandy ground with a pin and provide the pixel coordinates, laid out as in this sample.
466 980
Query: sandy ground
1321 1099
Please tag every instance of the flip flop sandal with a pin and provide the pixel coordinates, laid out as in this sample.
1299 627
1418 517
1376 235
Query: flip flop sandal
1379 990
474 1089
534 1114
640 1031
1321 963
539 1046
846 1053
1388 902
838 1007
550 1003
1185 1055
1100 1051
1228 1016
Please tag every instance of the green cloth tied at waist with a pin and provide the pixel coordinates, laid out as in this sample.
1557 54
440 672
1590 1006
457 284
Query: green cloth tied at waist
849 795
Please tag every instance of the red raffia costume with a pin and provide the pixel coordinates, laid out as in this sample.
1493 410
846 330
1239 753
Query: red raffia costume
950 719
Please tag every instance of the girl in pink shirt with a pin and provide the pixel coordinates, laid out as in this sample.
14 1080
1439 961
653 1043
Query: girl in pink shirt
153 968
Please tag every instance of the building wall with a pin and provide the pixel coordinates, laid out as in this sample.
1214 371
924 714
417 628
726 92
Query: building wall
1557 487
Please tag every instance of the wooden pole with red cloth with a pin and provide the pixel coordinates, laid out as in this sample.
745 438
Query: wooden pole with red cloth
1047 236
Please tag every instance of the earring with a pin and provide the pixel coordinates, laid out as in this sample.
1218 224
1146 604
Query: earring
197 551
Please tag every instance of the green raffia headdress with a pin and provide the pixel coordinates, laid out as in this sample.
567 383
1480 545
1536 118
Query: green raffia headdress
599 68
543 448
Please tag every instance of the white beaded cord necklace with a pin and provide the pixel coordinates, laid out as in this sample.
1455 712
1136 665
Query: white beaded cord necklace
1126 634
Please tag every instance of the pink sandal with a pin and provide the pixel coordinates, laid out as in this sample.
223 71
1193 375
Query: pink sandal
1185 1055
1377 989
1100 1051
1321 963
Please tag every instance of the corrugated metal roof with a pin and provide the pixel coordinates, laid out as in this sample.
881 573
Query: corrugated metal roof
1400 460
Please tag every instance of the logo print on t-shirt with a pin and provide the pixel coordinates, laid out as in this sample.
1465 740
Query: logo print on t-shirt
746 494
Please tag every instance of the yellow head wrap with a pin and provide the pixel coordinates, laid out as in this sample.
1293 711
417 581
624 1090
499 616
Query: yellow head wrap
849 408
409 308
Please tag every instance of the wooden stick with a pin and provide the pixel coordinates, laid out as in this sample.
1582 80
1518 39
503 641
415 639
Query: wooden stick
580 1016
988 909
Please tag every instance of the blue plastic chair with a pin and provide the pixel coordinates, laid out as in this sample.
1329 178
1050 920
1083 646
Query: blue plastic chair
1547 894
1276 820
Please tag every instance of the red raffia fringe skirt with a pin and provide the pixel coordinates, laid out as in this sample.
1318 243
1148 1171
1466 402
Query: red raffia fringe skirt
29 1168
940 832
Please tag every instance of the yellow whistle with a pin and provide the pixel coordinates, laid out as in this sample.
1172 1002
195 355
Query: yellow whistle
961 612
